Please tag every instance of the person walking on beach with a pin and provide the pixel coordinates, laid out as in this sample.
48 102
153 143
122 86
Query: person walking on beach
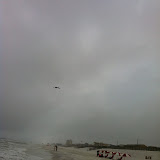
98 153
56 147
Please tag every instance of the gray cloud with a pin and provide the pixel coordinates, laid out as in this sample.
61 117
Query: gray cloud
104 56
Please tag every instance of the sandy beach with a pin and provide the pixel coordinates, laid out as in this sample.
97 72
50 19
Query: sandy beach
69 153
15 150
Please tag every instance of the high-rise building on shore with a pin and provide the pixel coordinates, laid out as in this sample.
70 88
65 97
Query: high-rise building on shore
68 142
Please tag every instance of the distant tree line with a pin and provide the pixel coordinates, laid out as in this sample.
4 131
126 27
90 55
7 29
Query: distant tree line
131 147
100 145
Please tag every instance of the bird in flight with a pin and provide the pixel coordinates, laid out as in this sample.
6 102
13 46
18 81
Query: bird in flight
51 84
56 87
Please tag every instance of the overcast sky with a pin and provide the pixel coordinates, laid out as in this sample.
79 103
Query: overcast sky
104 55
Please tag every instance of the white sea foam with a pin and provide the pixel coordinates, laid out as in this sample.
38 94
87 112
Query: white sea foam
15 151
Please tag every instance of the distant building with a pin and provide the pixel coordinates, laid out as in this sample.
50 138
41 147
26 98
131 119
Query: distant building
100 144
69 142
86 144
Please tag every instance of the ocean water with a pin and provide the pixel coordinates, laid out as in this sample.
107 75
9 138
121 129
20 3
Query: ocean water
14 150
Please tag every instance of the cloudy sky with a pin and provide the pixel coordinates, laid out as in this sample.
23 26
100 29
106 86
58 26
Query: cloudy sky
104 55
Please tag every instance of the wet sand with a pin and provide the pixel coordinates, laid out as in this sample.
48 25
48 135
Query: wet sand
39 151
